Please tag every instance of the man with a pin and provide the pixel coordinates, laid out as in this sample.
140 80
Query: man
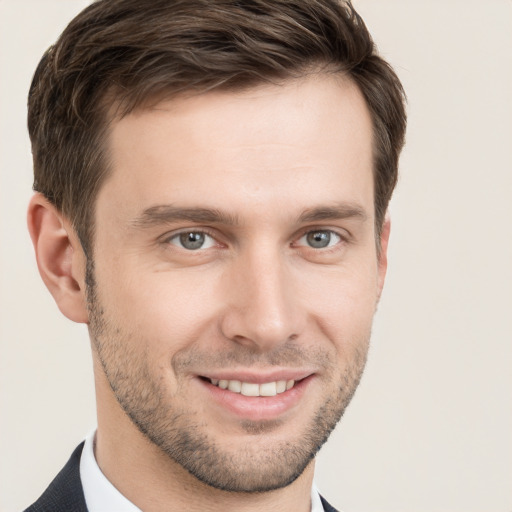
212 180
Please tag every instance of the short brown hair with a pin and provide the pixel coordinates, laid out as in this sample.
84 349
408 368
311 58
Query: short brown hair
125 53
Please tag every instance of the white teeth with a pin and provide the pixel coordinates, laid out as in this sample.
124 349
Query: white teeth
235 386
250 389
268 389
253 389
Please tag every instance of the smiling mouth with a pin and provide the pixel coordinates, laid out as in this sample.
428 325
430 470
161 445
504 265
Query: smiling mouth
252 389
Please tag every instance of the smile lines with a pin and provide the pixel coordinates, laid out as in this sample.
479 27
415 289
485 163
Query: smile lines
253 389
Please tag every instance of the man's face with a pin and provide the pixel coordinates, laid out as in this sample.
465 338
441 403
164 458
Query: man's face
235 246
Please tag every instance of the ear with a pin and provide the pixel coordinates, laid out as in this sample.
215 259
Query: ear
60 257
383 253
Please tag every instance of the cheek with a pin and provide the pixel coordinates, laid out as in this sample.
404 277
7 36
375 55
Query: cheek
165 309
171 309
343 304
349 290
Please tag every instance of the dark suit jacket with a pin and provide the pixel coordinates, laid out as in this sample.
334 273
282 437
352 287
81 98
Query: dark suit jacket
65 493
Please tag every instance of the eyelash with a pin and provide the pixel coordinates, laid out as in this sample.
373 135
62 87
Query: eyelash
206 233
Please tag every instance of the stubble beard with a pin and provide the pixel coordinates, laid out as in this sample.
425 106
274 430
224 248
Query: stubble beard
256 466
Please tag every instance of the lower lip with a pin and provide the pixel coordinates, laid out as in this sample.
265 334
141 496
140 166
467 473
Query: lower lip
258 408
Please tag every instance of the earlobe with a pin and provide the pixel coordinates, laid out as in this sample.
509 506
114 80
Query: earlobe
383 253
59 256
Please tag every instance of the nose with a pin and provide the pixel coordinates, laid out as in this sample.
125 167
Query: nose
262 308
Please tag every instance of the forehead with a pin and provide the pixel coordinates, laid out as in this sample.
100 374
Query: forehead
259 143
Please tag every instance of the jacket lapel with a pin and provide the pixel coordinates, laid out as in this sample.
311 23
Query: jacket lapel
327 506
65 493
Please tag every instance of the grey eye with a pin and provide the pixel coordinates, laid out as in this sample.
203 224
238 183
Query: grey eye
193 240
320 239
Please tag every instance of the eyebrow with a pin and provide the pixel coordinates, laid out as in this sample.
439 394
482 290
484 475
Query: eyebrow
336 212
166 214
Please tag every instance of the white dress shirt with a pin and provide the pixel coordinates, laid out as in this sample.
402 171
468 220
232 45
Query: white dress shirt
102 496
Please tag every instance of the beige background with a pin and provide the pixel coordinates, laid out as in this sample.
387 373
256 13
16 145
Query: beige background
430 428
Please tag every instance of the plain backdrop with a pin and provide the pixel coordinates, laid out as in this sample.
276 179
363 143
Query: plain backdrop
430 428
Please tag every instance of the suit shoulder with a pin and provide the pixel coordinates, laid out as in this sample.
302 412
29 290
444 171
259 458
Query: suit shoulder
65 493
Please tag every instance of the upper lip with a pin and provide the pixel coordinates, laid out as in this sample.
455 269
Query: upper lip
259 377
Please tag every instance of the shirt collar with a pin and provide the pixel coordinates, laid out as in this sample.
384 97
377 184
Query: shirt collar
100 494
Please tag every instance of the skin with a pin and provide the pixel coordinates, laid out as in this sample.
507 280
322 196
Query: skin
274 166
